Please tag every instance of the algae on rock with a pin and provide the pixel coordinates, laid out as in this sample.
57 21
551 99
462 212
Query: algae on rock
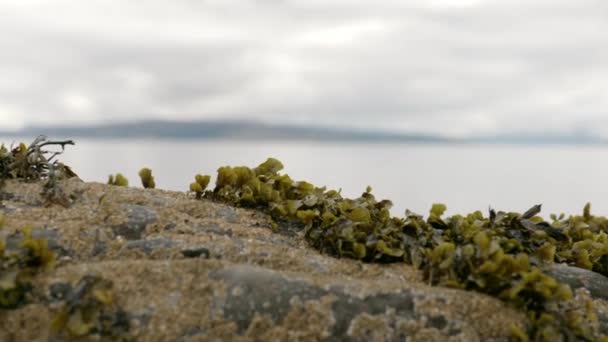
32 162
505 255
18 267
118 180
89 308
147 180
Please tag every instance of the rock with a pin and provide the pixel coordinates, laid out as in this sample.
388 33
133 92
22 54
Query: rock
214 229
253 292
138 217
189 270
5 196
53 238
228 214
149 246
577 277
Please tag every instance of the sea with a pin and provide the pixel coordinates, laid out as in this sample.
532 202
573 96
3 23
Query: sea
413 176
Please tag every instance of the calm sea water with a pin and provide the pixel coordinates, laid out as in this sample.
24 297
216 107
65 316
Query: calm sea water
465 178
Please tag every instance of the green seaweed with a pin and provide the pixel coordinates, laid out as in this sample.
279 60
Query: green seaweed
199 185
504 254
19 266
118 180
33 162
89 309
147 180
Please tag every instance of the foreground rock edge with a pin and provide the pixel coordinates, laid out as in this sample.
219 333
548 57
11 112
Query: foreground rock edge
173 296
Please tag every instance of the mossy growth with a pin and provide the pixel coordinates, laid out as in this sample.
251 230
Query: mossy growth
89 310
199 185
504 254
147 180
19 266
118 180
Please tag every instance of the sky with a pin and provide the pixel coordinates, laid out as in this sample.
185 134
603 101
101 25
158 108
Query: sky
449 67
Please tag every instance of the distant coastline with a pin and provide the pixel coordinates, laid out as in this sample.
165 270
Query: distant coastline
257 131
212 130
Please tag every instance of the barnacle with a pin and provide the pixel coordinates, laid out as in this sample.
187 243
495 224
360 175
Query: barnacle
505 254
118 180
147 180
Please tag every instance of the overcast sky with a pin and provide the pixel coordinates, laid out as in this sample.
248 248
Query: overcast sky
445 66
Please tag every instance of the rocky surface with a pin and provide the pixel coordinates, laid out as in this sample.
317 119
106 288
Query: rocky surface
195 270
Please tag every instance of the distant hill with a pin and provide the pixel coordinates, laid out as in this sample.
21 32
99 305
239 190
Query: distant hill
251 130
236 130
543 138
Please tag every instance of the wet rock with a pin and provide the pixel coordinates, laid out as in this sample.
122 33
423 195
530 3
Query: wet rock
577 277
52 237
214 229
253 292
228 214
603 321
6 196
138 217
149 246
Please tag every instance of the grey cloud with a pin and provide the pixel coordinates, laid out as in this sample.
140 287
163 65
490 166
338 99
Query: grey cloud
482 68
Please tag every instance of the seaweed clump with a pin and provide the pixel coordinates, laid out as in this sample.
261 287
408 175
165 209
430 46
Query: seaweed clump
19 266
118 180
505 254
89 309
147 180
199 185
35 162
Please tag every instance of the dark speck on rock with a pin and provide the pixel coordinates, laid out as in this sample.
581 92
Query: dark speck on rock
214 229
59 291
196 252
170 226
437 322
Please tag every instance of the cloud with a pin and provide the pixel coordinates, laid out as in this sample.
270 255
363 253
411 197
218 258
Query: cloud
445 66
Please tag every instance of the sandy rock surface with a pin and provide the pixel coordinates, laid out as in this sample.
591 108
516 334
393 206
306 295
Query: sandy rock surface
194 270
